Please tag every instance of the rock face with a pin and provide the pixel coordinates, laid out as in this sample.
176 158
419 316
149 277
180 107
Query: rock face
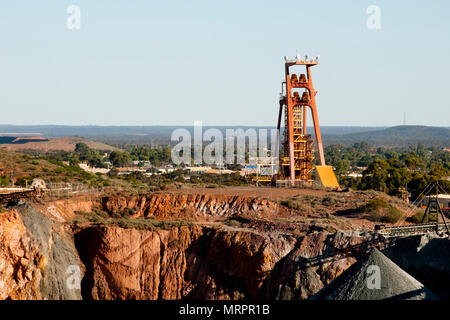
134 264
21 263
207 263
165 205
56 246
317 259
426 258
35 256
40 251
184 262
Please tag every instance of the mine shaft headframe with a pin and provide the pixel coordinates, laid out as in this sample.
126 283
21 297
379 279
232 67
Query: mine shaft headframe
298 153
291 83
295 146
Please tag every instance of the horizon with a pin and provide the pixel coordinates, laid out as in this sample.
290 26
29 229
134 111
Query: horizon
145 63
213 126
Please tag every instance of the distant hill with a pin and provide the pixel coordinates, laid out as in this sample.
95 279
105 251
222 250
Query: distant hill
157 135
44 144
152 135
396 136
19 140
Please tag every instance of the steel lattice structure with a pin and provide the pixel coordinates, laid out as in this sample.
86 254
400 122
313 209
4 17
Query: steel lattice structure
296 160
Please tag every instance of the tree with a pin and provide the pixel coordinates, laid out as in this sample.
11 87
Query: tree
439 171
120 159
95 160
73 160
397 177
92 157
83 151
342 166
414 163
375 176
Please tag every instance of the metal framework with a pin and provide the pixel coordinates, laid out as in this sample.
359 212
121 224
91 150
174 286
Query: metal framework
266 167
296 161
17 195
415 229
404 194
434 211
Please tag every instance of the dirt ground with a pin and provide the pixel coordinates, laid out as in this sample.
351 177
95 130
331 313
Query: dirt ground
269 193
344 210
290 210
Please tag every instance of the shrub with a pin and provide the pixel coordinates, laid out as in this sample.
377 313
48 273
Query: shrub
376 204
125 213
293 204
329 201
4 181
417 217
392 215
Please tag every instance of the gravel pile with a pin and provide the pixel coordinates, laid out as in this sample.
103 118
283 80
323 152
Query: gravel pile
359 282
58 250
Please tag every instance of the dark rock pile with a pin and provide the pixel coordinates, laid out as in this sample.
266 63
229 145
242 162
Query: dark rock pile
374 277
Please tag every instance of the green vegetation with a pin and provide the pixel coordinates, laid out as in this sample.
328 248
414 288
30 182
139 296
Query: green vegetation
211 179
388 169
156 156
179 176
293 204
417 217
397 136
4 181
382 169
380 210
120 159
25 168
392 215
88 155
376 204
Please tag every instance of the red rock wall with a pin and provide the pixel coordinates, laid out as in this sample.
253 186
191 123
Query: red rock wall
164 205
21 262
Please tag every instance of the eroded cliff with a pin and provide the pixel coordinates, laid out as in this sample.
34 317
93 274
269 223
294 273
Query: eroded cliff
233 248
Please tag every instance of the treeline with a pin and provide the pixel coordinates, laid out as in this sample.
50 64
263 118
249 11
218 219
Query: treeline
155 156
382 169
398 136
138 179
388 169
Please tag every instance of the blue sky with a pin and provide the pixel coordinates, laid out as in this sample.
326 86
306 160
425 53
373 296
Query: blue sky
172 62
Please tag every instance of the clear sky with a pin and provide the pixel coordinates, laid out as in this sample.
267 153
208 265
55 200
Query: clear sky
149 62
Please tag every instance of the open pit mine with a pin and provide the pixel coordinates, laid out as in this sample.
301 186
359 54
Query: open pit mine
239 243
290 242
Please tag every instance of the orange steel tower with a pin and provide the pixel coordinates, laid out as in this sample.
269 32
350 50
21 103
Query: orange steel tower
296 162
